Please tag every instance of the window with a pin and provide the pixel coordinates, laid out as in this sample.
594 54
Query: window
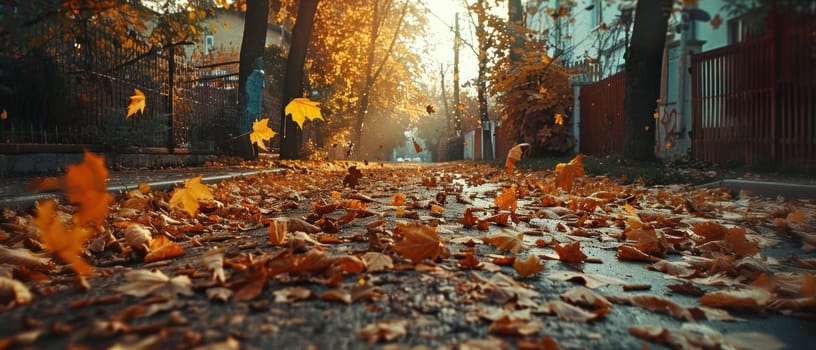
209 44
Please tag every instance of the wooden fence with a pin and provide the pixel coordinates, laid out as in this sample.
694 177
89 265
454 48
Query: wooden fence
754 103
601 116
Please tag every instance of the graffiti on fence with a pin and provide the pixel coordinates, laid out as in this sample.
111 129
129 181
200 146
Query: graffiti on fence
667 129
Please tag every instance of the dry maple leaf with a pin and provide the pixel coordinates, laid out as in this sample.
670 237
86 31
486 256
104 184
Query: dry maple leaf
514 155
302 109
588 279
507 325
86 186
528 267
353 177
277 232
292 294
567 172
137 103
656 304
506 240
375 261
67 244
13 291
162 248
699 336
22 257
187 197
213 260
398 199
261 132
138 237
750 298
141 283
570 252
383 331
419 242
569 312
582 296
507 199
417 147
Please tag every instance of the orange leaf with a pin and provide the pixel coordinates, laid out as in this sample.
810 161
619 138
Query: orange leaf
570 252
506 240
507 199
513 156
261 132
567 172
398 199
162 248
531 266
66 244
137 103
277 232
188 196
750 298
86 186
419 242
469 220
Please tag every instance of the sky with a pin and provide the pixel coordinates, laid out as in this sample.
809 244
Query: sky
441 21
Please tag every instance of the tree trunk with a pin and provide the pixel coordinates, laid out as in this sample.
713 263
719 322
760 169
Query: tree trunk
643 70
481 84
515 22
252 47
291 134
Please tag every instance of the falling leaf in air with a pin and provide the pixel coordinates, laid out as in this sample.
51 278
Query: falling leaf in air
430 109
141 283
506 241
261 132
507 199
137 103
4 114
419 242
302 109
570 252
513 156
528 267
417 147
187 197
559 119
67 244
567 172
86 186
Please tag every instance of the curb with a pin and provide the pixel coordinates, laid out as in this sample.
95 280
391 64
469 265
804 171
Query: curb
26 200
767 189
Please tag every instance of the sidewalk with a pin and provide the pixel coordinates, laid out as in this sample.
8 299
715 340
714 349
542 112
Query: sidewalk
15 193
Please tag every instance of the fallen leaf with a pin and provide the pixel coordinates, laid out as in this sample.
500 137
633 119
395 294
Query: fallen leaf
530 266
188 196
582 296
749 298
656 304
568 312
141 283
588 279
292 294
375 261
213 260
162 248
698 336
545 343
138 237
506 241
22 257
137 103
570 252
261 132
86 186
65 243
337 294
13 291
419 242
514 327
398 199
277 232
352 179
383 331
514 155
219 293
629 253
302 109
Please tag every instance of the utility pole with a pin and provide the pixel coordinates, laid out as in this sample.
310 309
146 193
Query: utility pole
457 113
445 101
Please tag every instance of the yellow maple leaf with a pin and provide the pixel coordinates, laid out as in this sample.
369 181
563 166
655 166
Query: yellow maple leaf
507 199
137 103
420 242
261 132
188 196
65 243
559 119
302 109
85 185
531 266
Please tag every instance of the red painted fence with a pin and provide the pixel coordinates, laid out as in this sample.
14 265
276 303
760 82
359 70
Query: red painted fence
601 116
754 103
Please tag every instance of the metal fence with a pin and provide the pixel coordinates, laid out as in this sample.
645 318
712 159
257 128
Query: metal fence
602 116
754 103
74 89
